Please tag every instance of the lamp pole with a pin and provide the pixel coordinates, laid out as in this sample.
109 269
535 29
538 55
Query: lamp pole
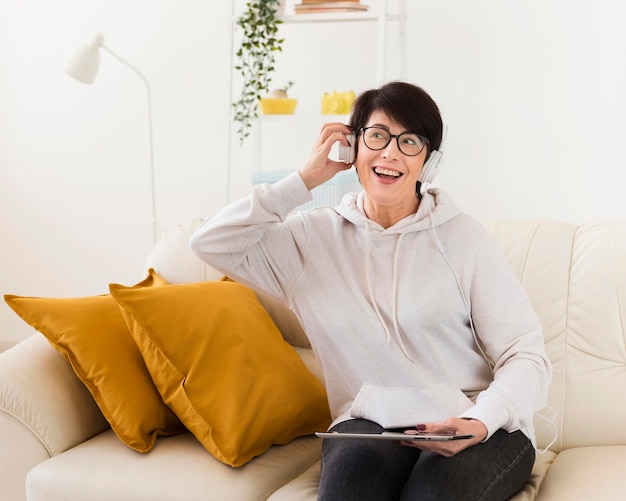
83 64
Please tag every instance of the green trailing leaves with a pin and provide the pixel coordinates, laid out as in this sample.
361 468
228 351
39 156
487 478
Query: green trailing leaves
256 59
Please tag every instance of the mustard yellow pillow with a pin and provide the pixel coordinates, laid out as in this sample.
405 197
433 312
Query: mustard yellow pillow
91 334
221 364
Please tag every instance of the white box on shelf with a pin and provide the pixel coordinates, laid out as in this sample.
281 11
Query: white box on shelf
328 194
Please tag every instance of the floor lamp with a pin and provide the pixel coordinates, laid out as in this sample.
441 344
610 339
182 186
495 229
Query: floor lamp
83 65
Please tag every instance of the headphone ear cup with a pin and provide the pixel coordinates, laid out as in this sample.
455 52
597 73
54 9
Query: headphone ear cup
431 168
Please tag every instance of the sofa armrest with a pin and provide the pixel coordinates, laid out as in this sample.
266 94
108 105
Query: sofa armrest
44 410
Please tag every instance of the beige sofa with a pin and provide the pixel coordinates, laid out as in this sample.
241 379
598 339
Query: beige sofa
56 445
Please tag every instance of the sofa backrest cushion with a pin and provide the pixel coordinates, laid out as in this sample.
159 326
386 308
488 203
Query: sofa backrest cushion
575 277
540 255
595 397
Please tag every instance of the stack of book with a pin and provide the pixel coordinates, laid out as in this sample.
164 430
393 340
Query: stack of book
316 6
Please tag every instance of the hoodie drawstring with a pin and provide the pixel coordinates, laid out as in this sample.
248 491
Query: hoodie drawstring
394 304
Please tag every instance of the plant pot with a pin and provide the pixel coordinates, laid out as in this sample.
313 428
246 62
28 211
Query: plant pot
278 105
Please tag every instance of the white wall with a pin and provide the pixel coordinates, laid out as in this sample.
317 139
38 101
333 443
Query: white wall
534 95
532 92
74 159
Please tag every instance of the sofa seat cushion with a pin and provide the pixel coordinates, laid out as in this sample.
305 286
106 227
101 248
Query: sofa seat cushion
304 488
102 469
585 473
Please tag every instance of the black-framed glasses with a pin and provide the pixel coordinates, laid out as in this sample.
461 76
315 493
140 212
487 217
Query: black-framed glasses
409 143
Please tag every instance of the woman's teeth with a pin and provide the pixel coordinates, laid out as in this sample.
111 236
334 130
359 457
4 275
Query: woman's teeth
381 171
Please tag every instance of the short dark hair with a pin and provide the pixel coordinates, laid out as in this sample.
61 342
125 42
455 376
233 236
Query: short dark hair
405 103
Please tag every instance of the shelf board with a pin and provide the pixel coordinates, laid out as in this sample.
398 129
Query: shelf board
329 17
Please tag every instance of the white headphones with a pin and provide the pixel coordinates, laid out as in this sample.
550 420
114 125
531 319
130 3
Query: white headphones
432 166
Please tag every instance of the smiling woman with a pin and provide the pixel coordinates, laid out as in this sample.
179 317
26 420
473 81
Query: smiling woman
410 357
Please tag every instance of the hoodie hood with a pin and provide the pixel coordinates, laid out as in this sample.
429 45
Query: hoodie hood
435 209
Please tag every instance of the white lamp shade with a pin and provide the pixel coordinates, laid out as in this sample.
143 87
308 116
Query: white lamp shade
84 62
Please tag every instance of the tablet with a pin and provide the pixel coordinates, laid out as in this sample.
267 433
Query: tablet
397 436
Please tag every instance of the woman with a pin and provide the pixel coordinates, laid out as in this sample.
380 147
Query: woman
384 285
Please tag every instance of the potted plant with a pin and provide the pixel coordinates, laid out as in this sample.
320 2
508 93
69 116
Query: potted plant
278 102
256 57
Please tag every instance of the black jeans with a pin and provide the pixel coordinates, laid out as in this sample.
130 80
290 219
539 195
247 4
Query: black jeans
379 470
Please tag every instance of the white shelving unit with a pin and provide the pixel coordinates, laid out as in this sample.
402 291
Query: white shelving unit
382 15
384 21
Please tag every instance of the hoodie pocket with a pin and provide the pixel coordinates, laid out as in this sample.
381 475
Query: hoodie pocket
406 407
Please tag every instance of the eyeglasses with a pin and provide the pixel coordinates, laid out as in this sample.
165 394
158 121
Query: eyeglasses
409 143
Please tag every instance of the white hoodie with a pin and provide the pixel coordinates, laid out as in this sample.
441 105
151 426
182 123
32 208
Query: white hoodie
383 308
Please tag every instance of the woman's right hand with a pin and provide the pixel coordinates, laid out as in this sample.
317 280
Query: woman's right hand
319 168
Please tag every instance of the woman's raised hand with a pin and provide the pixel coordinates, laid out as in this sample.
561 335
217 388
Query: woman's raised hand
319 168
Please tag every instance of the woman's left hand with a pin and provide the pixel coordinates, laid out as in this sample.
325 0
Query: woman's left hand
457 426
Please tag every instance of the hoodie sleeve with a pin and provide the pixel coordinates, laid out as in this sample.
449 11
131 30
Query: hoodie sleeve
249 241
511 334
